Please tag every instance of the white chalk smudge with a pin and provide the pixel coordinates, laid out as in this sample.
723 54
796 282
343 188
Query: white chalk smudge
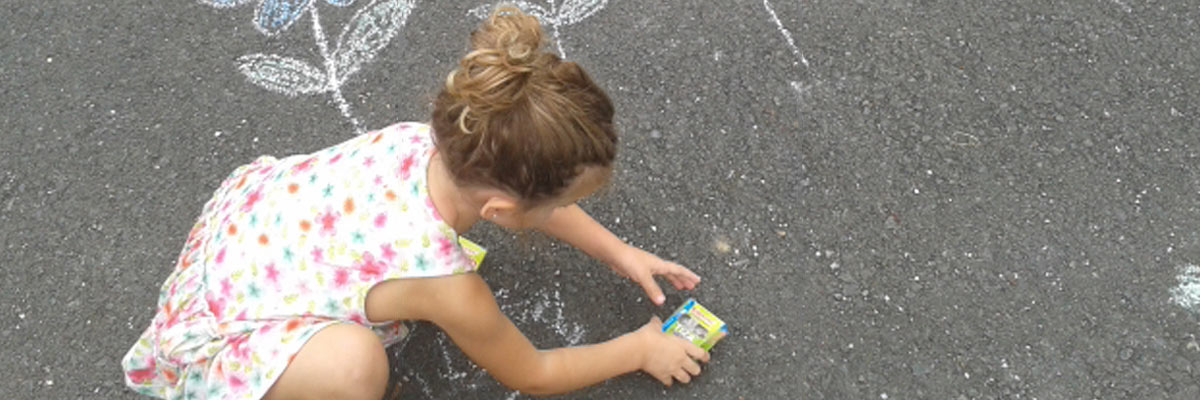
786 34
424 385
534 307
1187 294
543 306
450 372
568 12
800 88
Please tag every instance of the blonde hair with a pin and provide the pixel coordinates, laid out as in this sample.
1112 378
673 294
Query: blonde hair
517 118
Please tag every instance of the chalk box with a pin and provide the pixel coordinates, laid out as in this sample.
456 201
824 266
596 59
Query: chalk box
695 323
474 251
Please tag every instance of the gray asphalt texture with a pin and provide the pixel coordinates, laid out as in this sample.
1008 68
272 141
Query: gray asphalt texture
926 199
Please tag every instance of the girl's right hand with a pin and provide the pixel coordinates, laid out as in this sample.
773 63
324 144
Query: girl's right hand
668 357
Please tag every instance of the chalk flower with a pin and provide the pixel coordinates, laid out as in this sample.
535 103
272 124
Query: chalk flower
368 32
274 16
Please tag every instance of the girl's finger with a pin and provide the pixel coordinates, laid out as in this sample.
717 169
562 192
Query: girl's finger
665 379
682 376
683 281
684 273
696 353
651 287
676 282
692 367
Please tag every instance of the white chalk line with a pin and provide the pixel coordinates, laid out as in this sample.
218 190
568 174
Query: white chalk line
786 34
368 32
1187 294
334 86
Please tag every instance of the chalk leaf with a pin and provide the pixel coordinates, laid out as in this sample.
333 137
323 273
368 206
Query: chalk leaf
280 74
572 11
371 29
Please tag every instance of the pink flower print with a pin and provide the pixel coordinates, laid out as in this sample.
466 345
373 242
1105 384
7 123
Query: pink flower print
237 384
304 165
358 319
388 253
272 274
415 139
215 306
317 254
226 288
381 220
369 268
221 256
238 348
335 159
328 221
369 162
378 180
251 200
144 375
445 248
341 277
407 165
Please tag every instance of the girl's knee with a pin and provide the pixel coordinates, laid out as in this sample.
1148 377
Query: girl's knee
363 364
339 362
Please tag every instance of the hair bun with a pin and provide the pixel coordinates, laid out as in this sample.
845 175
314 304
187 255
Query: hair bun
506 53
508 38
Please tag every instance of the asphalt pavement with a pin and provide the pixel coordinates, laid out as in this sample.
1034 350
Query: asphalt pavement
886 199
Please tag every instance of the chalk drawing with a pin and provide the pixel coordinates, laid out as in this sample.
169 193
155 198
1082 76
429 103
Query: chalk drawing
557 14
786 34
543 307
799 87
1187 294
369 31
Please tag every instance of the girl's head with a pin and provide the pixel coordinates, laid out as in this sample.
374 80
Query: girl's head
518 120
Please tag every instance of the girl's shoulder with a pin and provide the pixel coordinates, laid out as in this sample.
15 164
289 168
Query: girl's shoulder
416 132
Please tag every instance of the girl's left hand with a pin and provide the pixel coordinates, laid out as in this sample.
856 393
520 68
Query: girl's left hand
641 266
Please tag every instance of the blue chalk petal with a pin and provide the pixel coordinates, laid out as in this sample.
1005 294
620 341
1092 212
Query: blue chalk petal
277 15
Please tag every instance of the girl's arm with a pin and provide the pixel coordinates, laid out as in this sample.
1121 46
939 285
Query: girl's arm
573 225
464 308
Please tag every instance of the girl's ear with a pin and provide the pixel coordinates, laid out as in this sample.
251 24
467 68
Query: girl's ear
499 208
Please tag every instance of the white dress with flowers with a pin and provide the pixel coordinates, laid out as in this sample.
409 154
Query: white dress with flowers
288 247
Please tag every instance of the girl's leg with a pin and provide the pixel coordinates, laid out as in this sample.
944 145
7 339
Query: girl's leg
339 362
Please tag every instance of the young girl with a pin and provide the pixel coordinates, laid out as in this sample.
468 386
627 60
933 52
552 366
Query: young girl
300 270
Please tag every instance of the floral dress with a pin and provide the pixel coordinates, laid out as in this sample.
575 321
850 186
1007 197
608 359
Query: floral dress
288 247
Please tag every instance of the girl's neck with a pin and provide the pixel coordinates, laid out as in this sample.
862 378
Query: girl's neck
450 201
